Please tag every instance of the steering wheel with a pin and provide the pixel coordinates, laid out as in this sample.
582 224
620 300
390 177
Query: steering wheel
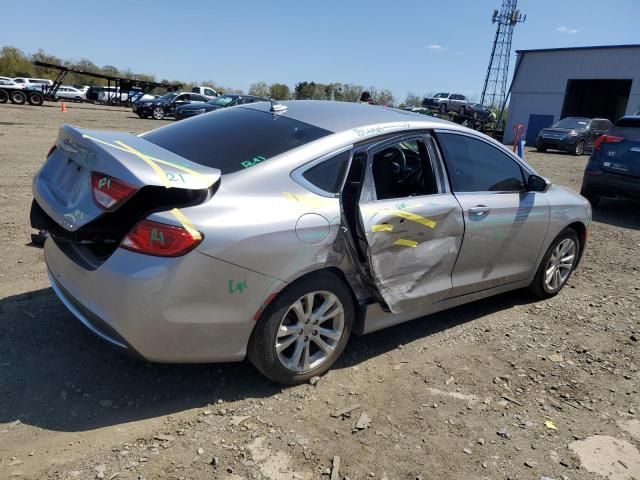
391 153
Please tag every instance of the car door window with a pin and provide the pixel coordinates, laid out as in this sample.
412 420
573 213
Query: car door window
403 169
329 174
182 98
477 166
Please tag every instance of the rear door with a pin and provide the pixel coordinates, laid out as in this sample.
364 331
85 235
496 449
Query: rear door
621 152
505 225
412 223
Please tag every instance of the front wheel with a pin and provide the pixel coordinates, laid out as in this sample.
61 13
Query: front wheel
557 265
303 332
158 113
462 110
579 148
442 108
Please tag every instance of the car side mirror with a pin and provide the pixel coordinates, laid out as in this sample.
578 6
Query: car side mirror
536 183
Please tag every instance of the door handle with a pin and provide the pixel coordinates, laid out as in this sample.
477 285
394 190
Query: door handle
479 210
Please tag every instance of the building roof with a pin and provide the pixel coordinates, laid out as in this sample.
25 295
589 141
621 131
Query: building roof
594 47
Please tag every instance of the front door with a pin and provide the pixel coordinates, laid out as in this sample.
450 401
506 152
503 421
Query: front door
505 225
413 225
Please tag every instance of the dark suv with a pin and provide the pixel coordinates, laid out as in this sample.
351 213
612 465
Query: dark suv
572 134
614 166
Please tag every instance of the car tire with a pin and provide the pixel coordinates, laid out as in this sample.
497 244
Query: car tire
594 199
17 97
579 148
305 338
143 115
541 148
35 98
549 278
462 110
78 99
442 108
4 96
157 113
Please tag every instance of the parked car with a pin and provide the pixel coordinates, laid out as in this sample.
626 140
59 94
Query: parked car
33 83
422 111
273 243
446 102
614 166
480 113
166 105
208 92
572 134
231 100
10 83
66 92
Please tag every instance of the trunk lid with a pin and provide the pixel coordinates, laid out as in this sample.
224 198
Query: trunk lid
63 188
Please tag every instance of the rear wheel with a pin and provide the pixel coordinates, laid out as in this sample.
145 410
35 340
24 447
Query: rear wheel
305 329
557 265
579 148
78 99
35 98
4 96
17 97
158 113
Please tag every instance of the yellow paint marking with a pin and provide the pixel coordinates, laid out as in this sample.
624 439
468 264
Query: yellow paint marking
161 173
414 218
383 227
309 200
405 243
186 223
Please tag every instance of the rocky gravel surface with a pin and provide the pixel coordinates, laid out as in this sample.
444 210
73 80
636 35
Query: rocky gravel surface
505 388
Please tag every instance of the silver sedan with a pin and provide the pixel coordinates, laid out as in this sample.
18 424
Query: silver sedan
275 231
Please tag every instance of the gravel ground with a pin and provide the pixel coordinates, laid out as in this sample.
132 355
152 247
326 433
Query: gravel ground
506 388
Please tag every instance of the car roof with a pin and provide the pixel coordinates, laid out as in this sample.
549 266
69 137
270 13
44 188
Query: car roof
339 116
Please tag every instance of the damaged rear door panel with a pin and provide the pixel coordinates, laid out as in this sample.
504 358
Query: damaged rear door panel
410 226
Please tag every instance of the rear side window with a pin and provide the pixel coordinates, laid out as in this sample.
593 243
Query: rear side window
629 122
328 175
234 139
476 166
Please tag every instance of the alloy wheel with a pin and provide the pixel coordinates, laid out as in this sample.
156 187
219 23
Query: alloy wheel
310 331
560 264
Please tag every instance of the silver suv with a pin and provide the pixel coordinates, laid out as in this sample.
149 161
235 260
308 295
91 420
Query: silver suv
447 102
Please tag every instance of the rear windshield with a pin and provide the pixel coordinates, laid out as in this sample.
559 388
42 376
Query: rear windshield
234 139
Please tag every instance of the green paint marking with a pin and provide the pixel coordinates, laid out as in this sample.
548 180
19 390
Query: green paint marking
104 181
157 236
238 287
253 161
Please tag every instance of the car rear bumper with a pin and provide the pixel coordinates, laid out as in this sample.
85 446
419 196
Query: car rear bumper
175 310
612 185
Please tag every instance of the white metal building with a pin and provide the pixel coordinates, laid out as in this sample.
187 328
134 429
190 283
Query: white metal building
550 84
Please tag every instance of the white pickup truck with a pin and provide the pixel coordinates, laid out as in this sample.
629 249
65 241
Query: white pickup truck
208 92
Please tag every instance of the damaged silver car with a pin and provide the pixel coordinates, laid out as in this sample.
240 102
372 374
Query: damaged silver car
275 231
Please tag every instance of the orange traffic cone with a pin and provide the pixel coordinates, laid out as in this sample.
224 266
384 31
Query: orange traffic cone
63 107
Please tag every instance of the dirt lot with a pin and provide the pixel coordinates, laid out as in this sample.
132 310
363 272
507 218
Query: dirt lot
507 388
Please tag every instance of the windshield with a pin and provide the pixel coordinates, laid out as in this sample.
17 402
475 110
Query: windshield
169 96
441 95
573 123
221 101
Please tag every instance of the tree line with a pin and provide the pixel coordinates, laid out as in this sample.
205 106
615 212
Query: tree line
15 63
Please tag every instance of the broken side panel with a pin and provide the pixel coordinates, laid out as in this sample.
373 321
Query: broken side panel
413 244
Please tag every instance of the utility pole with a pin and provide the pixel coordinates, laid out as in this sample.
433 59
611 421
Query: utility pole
495 84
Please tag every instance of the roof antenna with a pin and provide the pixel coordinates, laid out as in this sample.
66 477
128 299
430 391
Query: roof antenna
277 107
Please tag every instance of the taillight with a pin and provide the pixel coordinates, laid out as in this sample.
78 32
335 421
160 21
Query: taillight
109 192
606 139
159 239
52 149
